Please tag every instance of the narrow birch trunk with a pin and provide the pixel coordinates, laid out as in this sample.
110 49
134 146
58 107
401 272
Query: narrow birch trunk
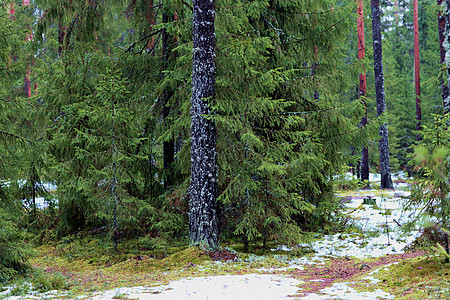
417 68
203 224
362 87
385 168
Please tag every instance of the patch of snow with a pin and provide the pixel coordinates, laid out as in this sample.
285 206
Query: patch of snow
382 225
343 291
41 202
251 286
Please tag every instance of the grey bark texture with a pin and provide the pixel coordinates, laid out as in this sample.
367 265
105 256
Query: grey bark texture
446 48
203 223
383 146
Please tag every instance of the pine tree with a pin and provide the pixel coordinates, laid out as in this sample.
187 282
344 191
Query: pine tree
362 88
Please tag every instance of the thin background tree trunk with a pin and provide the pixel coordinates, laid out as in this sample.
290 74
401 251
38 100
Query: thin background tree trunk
417 67
362 87
442 18
203 224
168 146
444 34
385 168
396 11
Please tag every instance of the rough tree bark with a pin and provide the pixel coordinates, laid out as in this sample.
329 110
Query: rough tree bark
362 87
385 168
446 46
417 68
203 222
442 20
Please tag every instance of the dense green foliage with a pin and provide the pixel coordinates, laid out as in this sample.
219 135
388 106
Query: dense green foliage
111 86
430 157
13 251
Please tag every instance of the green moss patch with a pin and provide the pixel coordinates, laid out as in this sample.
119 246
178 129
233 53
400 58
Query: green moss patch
411 278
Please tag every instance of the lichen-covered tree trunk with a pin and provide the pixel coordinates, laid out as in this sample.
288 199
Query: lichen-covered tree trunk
417 68
362 86
385 168
203 225
446 48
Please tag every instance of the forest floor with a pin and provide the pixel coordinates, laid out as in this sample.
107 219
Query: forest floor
366 262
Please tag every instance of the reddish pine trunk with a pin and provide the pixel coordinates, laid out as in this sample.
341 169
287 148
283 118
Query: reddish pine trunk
395 11
417 67
362 86
150 16
27 83
12 11
61 36
27 80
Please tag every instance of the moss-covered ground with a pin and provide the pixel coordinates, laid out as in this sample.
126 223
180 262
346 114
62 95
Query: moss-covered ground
420 277
82 268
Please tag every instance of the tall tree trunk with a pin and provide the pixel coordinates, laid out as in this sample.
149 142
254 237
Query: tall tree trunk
150 16
27 80
396 11
417 68
444 29
168 146
314 66
442 18
203 223
362 87
385 168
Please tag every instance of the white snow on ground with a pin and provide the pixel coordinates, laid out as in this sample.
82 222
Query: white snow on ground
341 290
252 286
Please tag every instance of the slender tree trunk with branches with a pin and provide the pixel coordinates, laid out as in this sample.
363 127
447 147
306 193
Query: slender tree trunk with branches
417 68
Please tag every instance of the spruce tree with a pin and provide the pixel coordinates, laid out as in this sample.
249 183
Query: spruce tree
13 251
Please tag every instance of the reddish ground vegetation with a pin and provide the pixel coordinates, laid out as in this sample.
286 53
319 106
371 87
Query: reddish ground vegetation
223 255
318 277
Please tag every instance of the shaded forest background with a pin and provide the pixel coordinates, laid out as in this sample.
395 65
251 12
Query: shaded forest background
95 116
